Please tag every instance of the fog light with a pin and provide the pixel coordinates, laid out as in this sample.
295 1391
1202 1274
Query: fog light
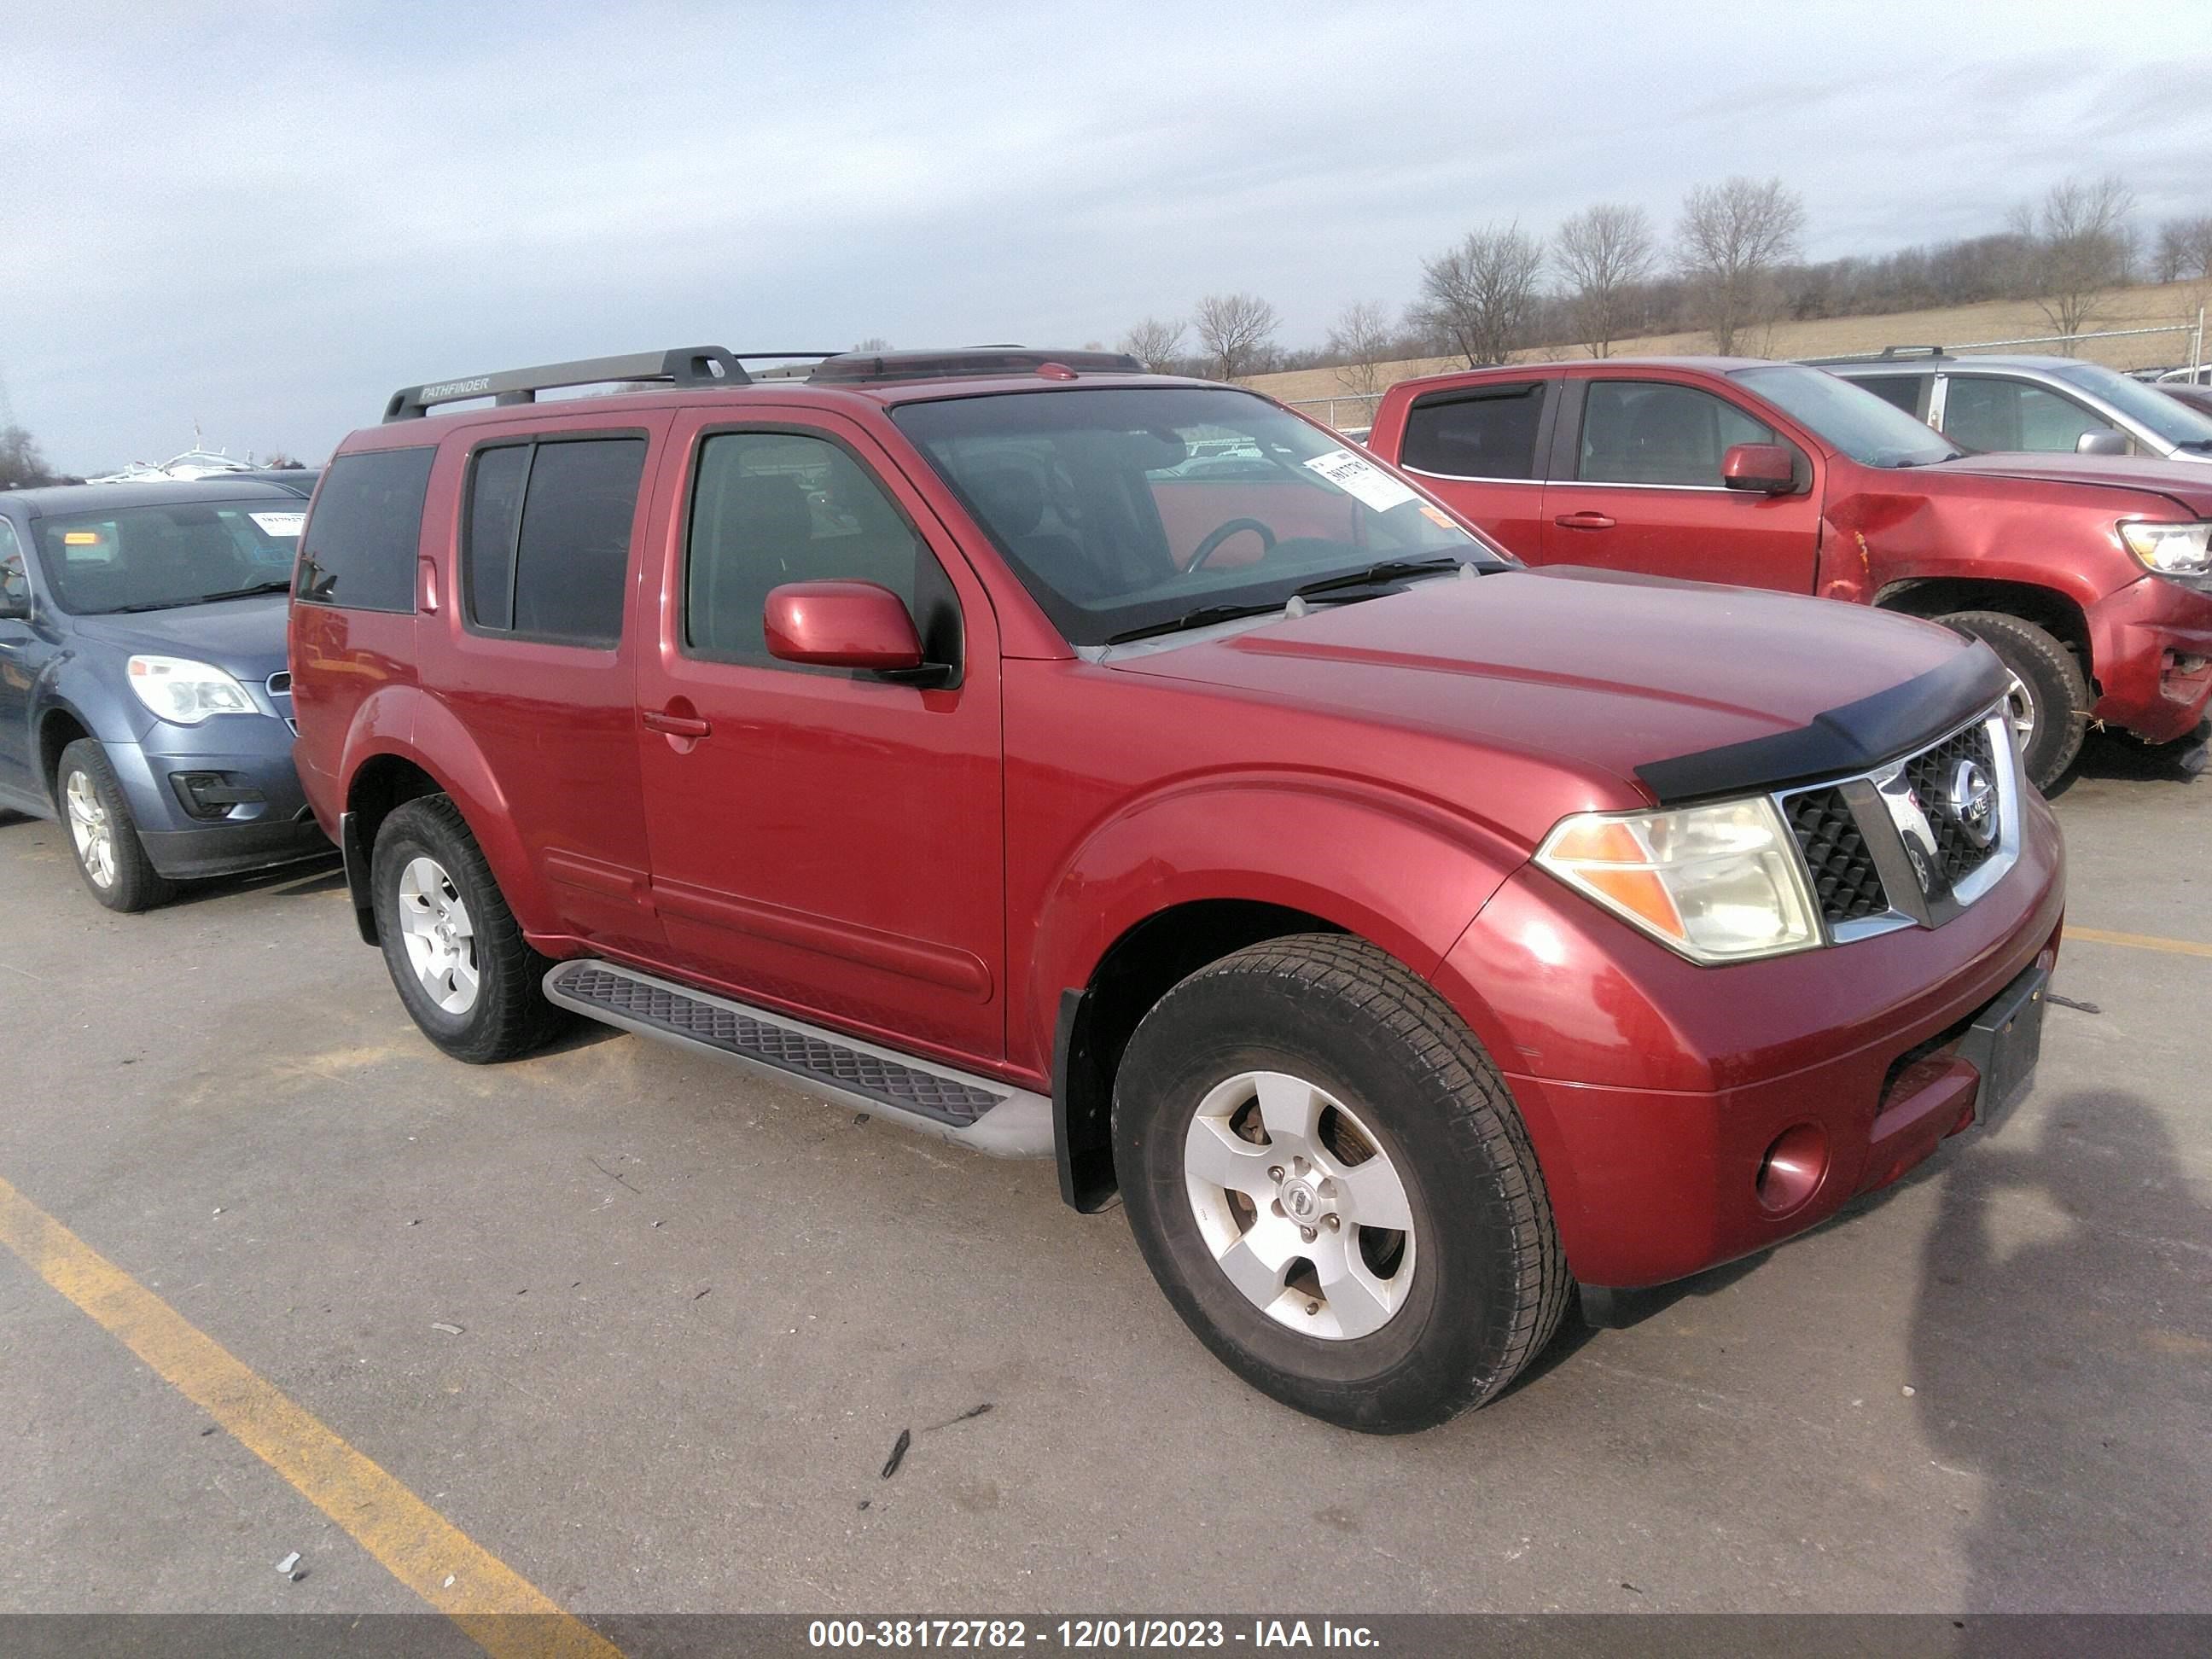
1792 1168
213 794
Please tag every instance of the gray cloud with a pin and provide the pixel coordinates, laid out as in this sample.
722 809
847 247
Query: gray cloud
264 222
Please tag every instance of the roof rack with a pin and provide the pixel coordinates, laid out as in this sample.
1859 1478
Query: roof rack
685 365
852 367
1913 352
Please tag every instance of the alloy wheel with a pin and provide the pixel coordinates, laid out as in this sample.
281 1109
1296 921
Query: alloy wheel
91 828
1299 1206
439 935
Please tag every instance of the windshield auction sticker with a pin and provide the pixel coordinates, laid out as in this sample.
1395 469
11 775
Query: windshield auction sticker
1362 480
279 523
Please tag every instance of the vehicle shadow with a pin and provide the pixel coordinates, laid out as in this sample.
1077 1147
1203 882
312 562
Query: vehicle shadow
306 878
2059 1351
2110 755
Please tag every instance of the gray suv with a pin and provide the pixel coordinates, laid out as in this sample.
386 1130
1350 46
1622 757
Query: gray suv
2031 403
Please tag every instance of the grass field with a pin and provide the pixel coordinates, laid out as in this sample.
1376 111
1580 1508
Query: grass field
1997 319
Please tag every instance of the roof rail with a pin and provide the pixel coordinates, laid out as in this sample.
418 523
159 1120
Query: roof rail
851 366
1912 351
685 365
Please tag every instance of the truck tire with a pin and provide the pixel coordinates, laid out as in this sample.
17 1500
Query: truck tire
1329 1180
2050 705
103 836
456 954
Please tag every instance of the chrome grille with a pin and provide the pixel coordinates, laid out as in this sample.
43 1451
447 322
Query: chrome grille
1916 841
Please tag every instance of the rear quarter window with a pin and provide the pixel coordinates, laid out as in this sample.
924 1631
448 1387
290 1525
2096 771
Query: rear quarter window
357 552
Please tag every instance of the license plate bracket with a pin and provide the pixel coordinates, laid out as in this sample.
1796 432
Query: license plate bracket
2004 1043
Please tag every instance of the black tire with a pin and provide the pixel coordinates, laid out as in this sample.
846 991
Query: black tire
1489 1282
510 1016
133 884
2057 691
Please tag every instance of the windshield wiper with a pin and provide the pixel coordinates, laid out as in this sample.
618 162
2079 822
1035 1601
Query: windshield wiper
1390 570
203 598
1204 616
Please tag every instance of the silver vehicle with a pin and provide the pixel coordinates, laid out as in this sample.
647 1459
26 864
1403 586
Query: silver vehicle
2033 403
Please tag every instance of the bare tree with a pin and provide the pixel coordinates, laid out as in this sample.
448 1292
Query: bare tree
1236 330
2184 250
1362 336
2076 248
1606 253
22 465
1478 296
1732 242
1157 342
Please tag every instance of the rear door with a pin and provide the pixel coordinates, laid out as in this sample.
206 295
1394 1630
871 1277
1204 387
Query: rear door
1636 485
1480 447
827 839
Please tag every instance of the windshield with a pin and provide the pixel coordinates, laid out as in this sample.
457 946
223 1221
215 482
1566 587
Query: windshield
2147 406
149 558
1124 509
1870 430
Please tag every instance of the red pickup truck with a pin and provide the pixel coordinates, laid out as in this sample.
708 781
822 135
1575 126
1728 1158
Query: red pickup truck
2090 577
1065 761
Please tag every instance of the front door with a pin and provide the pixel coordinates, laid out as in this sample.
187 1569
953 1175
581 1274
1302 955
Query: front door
1640 488
830 840
21 654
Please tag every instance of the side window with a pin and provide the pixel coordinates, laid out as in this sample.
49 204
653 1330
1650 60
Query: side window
1983 412
1647 432
15 582
771 507
1489 434
545 553
358 550
1906 390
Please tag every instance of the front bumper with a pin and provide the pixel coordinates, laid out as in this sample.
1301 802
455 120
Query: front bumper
253 755
1655 1092
2151 643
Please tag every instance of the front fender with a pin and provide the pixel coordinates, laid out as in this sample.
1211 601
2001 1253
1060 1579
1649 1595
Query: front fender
1400 873
408 723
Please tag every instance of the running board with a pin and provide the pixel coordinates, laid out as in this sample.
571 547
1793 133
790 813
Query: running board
957 1106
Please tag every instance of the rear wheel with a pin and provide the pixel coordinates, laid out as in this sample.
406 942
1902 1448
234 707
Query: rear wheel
103 834
1331 1184
2048 703
455 951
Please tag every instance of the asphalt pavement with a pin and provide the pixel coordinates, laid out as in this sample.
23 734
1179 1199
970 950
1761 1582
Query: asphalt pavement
648 1330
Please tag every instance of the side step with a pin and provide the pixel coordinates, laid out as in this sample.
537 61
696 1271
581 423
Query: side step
957 1106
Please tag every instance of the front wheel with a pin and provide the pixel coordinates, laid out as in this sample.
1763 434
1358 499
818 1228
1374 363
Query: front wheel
103 834
2048 703
1330 1183
455 951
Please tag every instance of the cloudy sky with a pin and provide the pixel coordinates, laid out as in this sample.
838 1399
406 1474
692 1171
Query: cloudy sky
263 219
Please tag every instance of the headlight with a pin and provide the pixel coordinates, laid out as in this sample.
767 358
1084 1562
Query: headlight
187 692
2171 549
1718 883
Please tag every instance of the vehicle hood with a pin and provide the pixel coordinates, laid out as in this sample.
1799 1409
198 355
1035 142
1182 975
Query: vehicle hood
245 637
2187 483
1603 670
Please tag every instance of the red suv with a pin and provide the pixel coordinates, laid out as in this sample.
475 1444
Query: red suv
2090 576
1069 762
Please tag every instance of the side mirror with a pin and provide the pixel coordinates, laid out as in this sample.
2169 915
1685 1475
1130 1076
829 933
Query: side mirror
2102 441
840 624
1765 469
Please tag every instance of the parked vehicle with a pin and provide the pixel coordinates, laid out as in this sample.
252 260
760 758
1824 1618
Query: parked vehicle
1407 935
143 696
2052 406
2195 396
2088 576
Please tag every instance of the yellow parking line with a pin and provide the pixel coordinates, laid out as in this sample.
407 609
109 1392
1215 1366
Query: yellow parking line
503 1611
2178 947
